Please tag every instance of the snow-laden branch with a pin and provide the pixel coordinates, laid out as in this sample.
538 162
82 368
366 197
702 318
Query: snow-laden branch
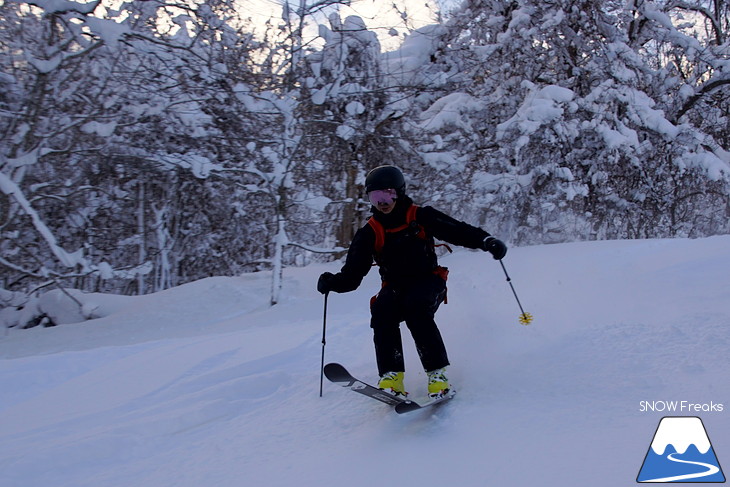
706 12
706 88
68 259
317 250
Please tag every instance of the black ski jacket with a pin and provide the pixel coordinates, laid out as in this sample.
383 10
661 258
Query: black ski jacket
405 256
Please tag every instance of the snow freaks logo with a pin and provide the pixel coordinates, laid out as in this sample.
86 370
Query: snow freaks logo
681 452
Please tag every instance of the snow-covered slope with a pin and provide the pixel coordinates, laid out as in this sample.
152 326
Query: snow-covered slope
205 385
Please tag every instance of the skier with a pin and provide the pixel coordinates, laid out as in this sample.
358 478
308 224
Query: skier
400 237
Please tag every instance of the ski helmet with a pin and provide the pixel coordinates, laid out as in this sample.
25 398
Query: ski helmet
386 177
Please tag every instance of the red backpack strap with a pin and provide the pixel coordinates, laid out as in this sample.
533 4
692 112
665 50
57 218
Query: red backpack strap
379 234
411 217
380 231
411 214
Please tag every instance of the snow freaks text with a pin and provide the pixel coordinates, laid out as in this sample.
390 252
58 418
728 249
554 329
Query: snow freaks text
680 407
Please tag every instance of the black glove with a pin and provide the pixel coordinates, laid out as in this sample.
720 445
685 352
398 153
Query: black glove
495 247
325 282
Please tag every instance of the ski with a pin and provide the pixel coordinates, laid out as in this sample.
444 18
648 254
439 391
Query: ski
407 406
339 375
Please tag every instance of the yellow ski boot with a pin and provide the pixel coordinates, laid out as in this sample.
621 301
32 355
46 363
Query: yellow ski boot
392 382
438 384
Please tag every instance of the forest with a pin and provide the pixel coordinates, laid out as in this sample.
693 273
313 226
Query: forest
150 143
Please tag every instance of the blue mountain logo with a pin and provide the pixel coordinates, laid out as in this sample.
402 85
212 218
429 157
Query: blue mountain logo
681 452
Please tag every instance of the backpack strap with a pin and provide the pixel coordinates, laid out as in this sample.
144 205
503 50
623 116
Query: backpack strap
411 214
379 234
380 231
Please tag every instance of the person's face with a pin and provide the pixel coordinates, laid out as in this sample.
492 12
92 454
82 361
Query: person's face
383 199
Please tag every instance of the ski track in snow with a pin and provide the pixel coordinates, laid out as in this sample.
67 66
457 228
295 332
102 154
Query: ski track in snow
205 385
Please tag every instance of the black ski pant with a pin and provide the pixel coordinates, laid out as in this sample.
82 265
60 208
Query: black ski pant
414 302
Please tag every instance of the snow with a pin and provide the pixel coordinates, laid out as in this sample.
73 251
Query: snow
111 32
205 384
449 111
402 64
541 106
345 132
688 430
101 129
713 165
58 6
320 95
316 203
45 66
616 138
200 165
28 158
645 115
355 108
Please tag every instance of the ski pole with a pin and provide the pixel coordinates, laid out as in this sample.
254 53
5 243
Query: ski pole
525 318
324 342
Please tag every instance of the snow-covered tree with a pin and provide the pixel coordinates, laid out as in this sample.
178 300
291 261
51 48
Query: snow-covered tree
110 144
54 107
151 143
564 121
348 116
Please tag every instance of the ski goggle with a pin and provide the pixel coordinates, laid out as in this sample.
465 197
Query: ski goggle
382 196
